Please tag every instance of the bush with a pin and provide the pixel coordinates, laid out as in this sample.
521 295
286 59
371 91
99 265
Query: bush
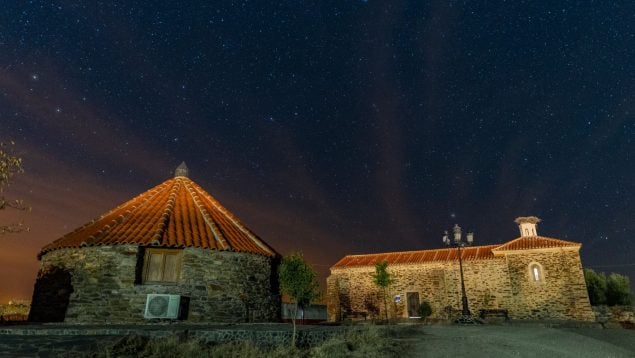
618 290
596 286
424 310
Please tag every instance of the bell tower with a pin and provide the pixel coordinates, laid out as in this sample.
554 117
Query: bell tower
527 225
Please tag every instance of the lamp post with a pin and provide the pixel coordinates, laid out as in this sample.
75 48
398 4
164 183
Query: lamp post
466 316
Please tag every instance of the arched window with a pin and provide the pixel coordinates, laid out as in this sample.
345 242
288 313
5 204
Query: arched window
535 272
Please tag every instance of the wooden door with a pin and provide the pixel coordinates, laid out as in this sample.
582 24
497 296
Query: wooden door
412 299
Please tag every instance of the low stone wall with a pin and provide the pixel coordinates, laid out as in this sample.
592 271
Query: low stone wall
615 316
102 285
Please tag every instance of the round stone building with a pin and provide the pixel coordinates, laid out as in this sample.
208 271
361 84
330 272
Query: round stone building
173 252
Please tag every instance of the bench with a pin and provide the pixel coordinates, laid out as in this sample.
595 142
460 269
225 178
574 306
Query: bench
495 312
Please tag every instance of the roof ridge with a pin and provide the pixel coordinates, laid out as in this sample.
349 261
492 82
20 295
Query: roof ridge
508 243
165 217
237 222
218 235
100 233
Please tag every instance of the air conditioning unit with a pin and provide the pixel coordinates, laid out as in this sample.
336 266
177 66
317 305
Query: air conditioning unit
162 306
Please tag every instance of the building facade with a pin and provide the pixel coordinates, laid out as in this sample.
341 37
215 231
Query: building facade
532 277
174 239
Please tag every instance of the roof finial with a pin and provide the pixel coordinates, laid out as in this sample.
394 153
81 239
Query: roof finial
181 170
527 225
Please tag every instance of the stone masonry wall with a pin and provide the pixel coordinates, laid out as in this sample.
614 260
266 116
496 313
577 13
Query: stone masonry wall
500 283
561 295
438 283
221 286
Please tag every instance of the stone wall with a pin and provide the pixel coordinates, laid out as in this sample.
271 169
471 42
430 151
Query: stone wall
221 286
503 282
438 283
561 295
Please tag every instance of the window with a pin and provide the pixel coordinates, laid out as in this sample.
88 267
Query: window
535 272
161 265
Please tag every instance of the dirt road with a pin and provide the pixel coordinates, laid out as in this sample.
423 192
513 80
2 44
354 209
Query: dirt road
518 341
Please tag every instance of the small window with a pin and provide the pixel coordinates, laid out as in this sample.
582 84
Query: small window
535 272
161 266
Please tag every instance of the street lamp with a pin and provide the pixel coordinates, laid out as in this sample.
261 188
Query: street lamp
466 316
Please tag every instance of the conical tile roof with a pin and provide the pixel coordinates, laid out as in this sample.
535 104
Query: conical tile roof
175 213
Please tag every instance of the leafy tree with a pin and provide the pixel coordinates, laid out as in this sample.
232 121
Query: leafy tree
10 165
596 286
383 280
611 290
618 290
299 282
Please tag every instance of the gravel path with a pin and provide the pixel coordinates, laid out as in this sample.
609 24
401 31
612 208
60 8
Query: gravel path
513 341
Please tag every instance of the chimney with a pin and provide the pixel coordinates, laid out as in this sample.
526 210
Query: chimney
527 225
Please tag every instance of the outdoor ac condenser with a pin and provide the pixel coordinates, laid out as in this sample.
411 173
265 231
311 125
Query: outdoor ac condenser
162 306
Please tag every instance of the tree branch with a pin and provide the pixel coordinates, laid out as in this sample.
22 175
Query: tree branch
13 228
13 204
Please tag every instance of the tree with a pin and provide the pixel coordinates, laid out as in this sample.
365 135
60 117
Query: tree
610 290
10 165
299 282
596 286
618 290
383 280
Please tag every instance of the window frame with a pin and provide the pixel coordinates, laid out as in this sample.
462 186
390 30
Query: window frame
532 274
149 251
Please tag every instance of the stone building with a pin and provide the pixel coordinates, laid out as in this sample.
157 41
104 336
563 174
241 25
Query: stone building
172 239
532 277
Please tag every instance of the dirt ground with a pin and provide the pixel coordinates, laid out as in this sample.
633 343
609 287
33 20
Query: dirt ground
518 341
454 341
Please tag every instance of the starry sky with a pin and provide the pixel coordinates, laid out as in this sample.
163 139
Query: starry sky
334 127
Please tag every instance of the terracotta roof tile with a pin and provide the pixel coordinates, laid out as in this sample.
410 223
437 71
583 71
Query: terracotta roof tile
414 257
535 242
175 213
451 254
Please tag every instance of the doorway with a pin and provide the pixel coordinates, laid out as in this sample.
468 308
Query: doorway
412 299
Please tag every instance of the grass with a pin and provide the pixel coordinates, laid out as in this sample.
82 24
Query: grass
369 341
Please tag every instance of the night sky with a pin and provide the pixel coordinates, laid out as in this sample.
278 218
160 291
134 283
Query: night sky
333 128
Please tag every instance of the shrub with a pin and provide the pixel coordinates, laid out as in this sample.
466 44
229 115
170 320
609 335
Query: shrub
424 310
618 290
596 286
